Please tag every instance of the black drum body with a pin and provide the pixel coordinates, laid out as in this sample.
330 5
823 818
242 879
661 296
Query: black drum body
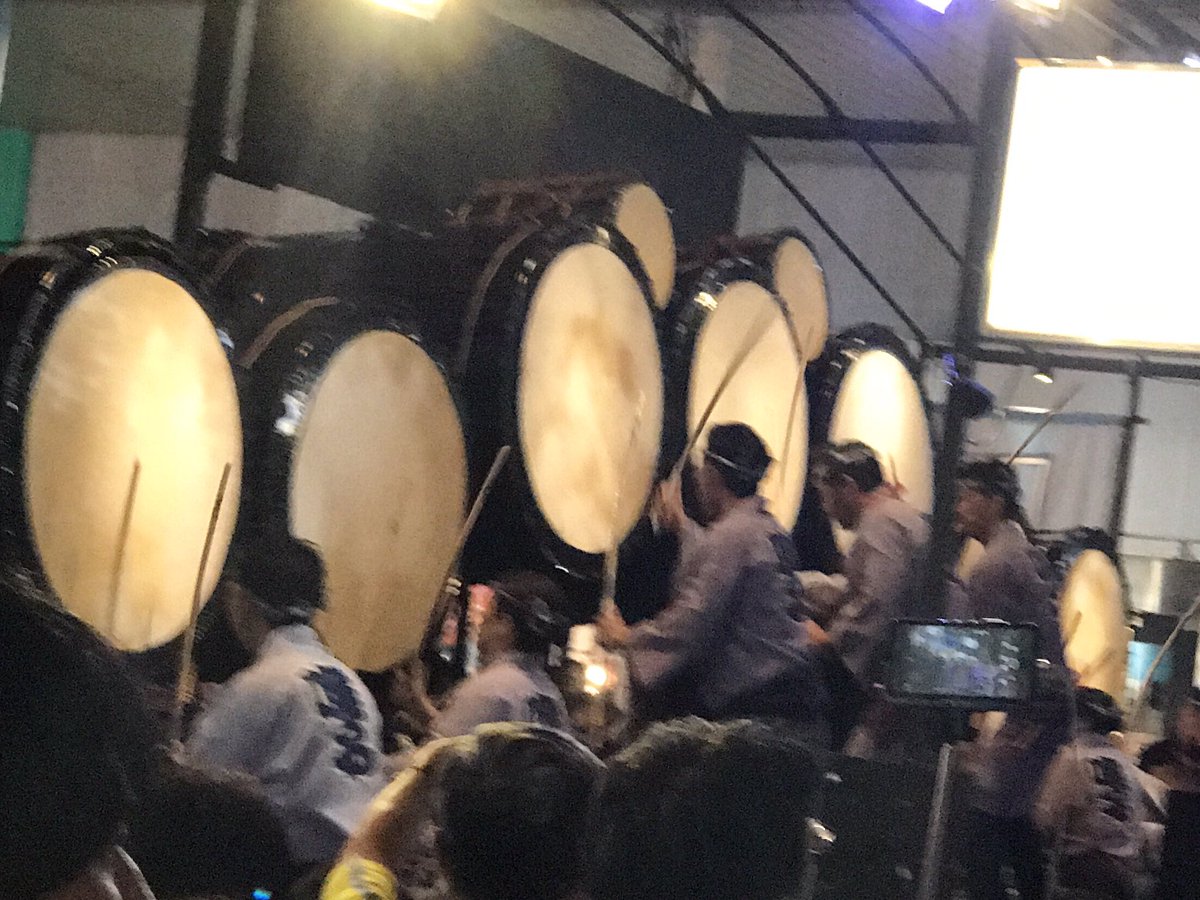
866 387
119 417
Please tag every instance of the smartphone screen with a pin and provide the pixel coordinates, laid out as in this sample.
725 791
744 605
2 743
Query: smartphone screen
980 665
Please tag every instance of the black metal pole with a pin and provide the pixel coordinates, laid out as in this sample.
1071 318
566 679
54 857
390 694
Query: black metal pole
210 90
995 106
1120 495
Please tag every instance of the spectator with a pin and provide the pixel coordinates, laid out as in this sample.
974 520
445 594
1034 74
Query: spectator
704 811
199 834
509 805
76 751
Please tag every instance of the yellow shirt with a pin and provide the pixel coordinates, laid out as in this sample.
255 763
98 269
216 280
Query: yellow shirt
359 879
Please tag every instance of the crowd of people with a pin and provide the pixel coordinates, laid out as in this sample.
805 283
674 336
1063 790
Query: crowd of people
291 782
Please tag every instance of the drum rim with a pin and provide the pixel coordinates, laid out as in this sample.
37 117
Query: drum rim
515 284
70 265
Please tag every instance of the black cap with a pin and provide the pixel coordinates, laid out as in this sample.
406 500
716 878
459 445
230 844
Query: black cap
285 576
853 460
993 477
1098 710
739 455
530 600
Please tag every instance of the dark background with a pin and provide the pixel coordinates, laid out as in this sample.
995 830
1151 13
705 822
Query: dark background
402 118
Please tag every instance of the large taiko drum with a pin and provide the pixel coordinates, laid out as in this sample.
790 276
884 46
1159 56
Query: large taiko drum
119 417
353 439
555 355
865 388
730 337
1092 610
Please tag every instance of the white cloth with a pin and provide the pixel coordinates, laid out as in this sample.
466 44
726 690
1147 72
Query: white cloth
513 688
1093 800
307 729
881 565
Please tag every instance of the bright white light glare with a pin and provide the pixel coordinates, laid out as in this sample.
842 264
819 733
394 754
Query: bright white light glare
596 675
1044 376
1096 236
938 6
1104 60
1029 410
1192 61
422 9
1041 5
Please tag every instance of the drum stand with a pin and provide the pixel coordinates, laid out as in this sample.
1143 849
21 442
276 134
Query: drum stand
935 833
498 202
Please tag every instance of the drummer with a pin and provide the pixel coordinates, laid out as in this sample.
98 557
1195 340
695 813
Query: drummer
732 642
890 537
298 721
1012 581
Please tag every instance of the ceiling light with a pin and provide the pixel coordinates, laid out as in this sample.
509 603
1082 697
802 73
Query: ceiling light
1028 410
938 6
1192 61
422 9
1041 6
1045 375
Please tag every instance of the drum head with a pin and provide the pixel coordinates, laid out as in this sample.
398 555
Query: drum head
800 282
378 483
879 403
643 219
1093 623
132 371
767 391
589 397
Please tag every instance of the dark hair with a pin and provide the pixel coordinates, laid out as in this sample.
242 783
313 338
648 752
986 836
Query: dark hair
199 833
514 814
1096 710
76 746
1160 753
286 576
739 456
701 810
853 460
532 600
996 478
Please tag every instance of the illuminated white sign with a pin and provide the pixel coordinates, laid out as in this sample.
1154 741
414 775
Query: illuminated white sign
1098 236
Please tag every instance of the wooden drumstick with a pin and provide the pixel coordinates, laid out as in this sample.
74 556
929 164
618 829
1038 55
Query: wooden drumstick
114 585
485 489
608 591
182 690
791 422
754 336
1047 417
439 604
